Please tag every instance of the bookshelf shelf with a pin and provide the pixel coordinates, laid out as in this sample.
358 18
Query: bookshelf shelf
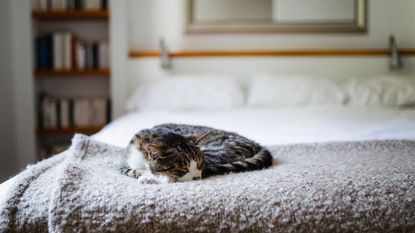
71 15
84 130
102 73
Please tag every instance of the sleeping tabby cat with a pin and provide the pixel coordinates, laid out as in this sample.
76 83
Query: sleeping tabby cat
173 152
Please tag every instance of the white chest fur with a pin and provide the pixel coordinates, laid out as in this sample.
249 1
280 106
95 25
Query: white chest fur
193 172
136 159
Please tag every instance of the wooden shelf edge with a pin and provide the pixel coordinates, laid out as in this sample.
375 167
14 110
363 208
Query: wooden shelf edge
275 53
84 130
71 15
103 73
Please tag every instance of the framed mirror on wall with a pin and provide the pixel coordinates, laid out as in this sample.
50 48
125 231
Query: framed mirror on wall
293 16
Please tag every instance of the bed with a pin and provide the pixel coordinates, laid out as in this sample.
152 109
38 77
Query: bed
277 126
337 168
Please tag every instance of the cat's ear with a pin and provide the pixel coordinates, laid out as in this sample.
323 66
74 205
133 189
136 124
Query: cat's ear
153 150
198 138
202 136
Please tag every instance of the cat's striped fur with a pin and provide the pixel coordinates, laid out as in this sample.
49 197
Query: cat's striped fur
173 152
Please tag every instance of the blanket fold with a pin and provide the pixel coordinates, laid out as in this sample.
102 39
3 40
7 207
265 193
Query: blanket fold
328 187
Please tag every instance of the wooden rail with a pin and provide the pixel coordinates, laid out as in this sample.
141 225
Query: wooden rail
275 53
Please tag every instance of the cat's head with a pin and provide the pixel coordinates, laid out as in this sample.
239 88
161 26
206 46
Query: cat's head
176 156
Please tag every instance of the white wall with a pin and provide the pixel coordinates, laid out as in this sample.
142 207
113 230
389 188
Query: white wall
17 146
150 20
7 108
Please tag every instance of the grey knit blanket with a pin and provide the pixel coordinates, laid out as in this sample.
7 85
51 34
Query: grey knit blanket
329 187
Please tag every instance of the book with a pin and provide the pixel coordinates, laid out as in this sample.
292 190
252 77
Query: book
66 50
63 51
57 51
41 53
58 112
89 58
55 5
103 55
40 110
78 5
74 58
71 113
64 113
82 112
104 4
44 52
98 112
95 55
62 5
70 5
49 115
81 55
89 4
49 49
40 5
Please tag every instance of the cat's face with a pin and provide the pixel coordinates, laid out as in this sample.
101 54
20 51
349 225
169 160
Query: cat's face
175 156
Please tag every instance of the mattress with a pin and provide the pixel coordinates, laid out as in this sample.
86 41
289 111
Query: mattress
277 126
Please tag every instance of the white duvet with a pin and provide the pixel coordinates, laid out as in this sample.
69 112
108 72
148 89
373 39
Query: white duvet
277 126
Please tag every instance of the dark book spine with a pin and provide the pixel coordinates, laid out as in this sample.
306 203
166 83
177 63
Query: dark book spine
109 108
49 4
71 113
104 4
74 54
89 56
38 48
49 52
43 53
70 5
58 113
78 5
95 55
40 110
82 4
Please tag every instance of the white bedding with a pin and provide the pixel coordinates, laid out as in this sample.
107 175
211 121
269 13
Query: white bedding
277 126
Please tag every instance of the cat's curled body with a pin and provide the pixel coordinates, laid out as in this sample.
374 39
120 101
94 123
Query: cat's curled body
175 152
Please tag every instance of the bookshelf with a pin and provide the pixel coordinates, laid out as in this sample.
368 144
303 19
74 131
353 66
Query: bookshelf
87 28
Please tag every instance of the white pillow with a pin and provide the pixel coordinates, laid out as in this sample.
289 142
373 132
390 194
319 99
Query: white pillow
279 91
382 91
208 92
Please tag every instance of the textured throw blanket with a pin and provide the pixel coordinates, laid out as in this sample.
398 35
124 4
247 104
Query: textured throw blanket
330 187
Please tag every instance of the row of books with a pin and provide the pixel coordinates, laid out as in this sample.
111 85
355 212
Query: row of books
63 51
59 112
62 5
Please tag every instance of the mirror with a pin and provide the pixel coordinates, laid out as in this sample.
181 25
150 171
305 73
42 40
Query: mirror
316 16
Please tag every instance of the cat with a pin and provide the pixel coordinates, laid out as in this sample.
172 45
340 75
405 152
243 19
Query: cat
176 152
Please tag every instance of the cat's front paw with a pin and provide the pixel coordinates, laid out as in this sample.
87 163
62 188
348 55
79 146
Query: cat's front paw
148 180
131 172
